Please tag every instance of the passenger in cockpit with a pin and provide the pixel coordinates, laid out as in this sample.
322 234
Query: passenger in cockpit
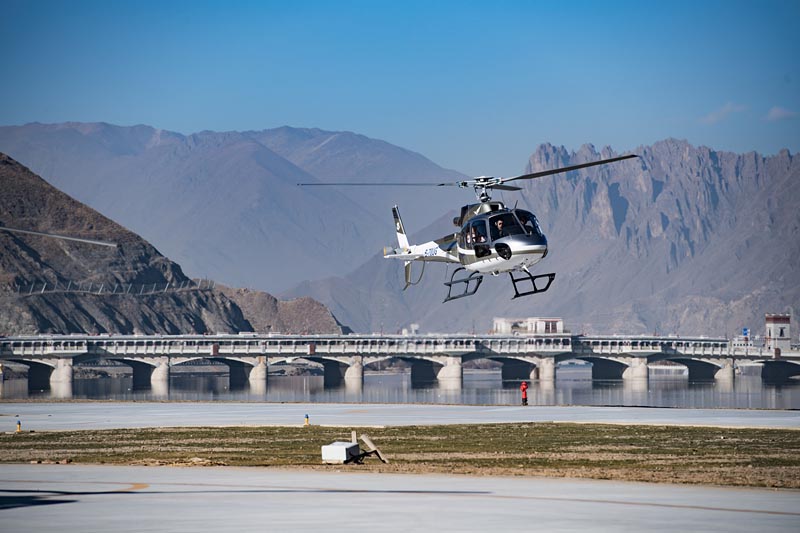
480 233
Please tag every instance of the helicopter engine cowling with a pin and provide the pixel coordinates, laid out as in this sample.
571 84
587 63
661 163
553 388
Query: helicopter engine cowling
503 250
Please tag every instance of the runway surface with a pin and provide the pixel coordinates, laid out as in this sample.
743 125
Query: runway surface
123 499
120 499
107 415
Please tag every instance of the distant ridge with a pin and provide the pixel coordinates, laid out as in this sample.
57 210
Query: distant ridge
683 240
226 205
31 203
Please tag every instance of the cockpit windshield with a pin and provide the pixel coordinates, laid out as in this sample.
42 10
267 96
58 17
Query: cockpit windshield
528 221
504 225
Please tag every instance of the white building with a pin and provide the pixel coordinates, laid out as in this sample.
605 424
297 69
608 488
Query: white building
528 326
778 334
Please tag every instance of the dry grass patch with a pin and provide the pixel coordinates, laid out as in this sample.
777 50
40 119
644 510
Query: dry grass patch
723 456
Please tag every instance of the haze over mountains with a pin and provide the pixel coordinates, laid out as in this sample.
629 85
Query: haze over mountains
226 205
684 240
353 158
29 202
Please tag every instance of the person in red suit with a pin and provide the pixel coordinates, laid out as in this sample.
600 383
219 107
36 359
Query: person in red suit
524 389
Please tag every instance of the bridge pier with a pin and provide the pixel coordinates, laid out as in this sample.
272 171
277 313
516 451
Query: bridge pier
258 378
62 373
451 375
637 369
160 371
349 370
452 369
61 379
355 372
726 372
159 378
259 373
246 372
152 375
547 369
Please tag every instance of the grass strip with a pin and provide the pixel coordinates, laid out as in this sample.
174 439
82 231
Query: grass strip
672 454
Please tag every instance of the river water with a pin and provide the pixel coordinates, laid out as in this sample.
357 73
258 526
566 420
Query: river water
573 386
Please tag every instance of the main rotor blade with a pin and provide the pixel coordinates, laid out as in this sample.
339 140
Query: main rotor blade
566 169
374 184
64 237
482 182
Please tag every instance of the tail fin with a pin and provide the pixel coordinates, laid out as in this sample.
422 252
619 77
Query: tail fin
402 239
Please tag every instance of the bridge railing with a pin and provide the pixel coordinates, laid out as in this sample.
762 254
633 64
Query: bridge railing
300 345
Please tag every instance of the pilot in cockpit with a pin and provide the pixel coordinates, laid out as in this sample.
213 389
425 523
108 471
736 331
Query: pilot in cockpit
498 229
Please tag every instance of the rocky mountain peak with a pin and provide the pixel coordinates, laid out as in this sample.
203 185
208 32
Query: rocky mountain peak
684 239
32 204
59 286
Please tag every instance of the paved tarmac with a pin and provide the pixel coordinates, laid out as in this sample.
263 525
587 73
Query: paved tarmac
120 499
106 415
136 499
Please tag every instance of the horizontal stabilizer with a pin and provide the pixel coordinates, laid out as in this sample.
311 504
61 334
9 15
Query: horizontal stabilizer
397 253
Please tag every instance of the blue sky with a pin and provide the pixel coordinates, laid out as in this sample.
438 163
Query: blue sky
475 86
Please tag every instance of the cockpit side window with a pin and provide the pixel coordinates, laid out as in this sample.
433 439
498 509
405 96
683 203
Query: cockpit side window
478 232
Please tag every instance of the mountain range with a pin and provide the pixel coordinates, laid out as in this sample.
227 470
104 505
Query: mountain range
683 239
227 205
38 262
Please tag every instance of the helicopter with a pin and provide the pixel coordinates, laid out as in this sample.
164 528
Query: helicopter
493 239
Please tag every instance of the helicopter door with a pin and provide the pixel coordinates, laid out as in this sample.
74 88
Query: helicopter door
465 238
479 237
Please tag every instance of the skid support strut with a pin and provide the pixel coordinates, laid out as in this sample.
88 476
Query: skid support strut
527 276
471 284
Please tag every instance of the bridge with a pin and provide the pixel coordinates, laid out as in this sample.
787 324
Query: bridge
51 358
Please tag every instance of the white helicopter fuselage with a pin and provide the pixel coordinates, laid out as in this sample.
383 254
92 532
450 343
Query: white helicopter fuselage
493 239
480 246
525 253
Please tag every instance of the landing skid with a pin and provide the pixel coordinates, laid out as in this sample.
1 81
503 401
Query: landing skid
469 290
527 276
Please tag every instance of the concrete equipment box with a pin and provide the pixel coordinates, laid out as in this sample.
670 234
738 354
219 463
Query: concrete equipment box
340 452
